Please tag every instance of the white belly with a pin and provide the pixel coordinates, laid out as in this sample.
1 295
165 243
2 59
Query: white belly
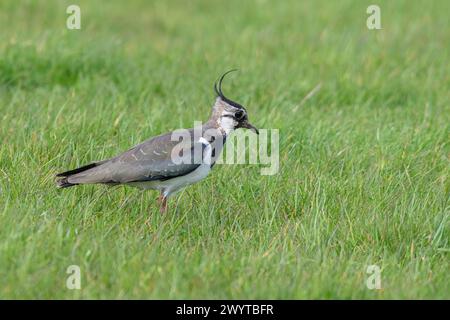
173 185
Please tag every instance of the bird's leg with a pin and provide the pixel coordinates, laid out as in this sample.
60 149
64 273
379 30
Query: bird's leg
160 198
163 208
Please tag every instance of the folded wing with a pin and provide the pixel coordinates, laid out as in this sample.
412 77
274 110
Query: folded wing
159 158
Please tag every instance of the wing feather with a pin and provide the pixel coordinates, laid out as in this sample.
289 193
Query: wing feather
150 160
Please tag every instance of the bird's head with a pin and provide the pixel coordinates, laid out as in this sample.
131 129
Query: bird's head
229 115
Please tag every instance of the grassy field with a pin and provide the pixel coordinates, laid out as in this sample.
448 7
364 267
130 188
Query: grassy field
364 162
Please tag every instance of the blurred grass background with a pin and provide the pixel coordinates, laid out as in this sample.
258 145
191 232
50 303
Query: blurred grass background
364 163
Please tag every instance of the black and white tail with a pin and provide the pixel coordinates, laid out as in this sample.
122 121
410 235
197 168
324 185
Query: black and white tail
63 182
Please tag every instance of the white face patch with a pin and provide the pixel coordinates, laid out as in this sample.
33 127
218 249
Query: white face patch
226 122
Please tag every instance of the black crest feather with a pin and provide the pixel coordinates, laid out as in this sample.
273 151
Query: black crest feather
218 90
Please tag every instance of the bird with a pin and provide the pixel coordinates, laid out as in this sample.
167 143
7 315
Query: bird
164 163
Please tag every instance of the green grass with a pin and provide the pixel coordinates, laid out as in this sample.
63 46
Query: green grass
364 163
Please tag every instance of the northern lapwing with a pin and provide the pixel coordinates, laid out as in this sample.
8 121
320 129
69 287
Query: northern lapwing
163 162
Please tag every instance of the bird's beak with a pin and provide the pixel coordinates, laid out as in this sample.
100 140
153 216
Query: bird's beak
248 125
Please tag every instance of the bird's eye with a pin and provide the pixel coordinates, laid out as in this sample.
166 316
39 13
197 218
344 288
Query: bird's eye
238 115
